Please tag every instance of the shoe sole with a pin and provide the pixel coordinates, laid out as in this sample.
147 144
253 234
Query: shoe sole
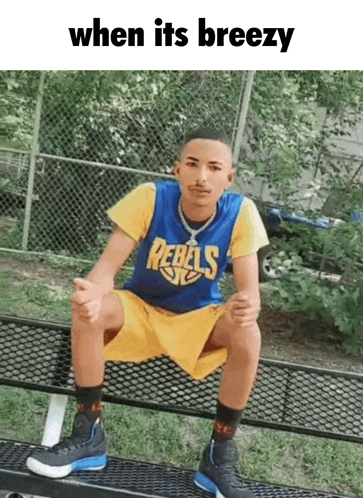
206 484
92 463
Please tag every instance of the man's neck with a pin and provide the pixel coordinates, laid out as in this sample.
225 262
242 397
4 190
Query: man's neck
197 213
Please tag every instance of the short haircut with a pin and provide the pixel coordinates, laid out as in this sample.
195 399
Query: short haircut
207 133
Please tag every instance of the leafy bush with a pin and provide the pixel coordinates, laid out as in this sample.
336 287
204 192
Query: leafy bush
338 303
339 248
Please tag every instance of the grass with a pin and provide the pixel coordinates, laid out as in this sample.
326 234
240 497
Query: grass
44 296
36 301
134 433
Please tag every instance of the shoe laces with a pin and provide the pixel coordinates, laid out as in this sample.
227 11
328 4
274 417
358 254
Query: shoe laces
67 445
80 435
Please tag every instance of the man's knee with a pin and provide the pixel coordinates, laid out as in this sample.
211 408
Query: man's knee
111 313
109 317
245 342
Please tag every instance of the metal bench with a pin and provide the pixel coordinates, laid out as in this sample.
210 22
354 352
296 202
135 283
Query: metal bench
36 355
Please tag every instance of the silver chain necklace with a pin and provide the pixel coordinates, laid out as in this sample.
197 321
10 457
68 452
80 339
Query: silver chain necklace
194 233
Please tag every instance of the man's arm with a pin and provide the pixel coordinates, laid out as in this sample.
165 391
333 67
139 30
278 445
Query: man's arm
245 272
244 306
117 251
87 298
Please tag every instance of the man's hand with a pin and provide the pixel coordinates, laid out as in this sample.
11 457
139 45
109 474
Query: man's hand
241 310
86 300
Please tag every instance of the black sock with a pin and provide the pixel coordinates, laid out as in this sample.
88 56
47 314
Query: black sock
89 401
226 423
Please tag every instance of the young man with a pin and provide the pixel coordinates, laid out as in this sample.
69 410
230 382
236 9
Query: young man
172 305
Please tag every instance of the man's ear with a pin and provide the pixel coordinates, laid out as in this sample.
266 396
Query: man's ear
176 167
231 176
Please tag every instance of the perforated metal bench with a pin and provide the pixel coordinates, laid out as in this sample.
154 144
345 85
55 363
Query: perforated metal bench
37 355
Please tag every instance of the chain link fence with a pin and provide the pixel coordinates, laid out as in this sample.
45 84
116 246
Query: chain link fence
14 173
99 134
68 213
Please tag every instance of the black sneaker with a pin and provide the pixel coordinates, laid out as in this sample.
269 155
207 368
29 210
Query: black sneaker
85 449
218 474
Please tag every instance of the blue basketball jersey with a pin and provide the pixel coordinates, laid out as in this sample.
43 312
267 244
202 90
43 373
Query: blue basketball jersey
173 275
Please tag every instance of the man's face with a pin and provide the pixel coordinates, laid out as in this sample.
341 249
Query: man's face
204 171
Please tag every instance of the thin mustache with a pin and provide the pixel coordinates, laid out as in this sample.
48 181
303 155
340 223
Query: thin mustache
199 189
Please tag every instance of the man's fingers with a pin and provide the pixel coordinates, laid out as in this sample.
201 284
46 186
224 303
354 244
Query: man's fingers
82 284
243 300
242 313
81 298
245 312
239 297
246 305
88 316
237 305
85 301
245 323
86 308
242 305
244 319
87 319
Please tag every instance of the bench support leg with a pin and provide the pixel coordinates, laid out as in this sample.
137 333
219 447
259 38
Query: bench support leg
55 418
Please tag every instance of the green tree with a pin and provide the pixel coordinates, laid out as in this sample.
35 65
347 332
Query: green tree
339 94
280 130
293 119
18 90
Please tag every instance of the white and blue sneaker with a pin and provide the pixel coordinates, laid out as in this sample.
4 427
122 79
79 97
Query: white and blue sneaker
218 473
85 449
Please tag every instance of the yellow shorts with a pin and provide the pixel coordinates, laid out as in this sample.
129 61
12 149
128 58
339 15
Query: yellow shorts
149 332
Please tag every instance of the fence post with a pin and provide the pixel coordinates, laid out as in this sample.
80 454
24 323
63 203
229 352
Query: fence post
243 115
33 155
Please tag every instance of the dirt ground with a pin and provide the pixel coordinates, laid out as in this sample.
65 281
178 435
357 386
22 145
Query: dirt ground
296 338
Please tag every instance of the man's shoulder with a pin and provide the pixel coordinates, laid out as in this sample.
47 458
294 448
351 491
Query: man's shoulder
145 187
231 198
239 197
142 192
